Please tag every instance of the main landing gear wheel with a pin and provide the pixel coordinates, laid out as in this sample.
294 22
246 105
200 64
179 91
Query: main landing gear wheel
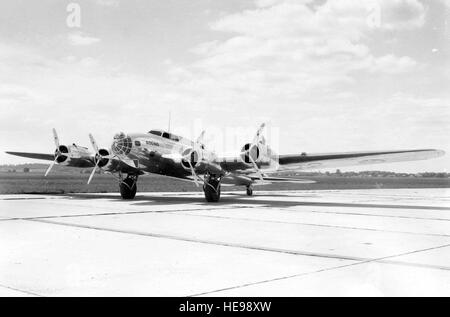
128 188
249 190
211 189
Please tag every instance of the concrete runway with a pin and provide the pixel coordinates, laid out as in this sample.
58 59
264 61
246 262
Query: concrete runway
380 242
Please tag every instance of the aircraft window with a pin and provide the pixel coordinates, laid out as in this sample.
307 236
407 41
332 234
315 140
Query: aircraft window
174 138
165 135
137 143
158 133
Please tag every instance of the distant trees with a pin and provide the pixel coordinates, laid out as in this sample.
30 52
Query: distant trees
364 174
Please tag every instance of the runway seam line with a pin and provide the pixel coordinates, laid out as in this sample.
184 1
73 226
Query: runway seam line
185 212
21 291
317 225
116 213
379 260
243 246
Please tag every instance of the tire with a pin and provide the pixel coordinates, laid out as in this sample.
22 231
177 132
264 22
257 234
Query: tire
128 189
211 195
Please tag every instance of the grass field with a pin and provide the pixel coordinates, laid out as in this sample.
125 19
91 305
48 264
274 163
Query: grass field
24 183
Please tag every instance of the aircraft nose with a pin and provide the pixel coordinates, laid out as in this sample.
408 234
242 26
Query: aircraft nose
122 144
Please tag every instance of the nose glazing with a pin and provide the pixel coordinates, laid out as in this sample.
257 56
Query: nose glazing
122 144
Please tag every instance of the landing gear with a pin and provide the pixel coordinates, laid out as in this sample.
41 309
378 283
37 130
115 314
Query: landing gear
128 187
211 188
249 190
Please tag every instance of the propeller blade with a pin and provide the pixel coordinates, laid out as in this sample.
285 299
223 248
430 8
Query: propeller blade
258 133
50 167
92 174
258 171
94 144
194 175
201 137
56 138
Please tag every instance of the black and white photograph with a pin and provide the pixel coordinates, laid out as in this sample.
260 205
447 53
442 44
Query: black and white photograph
243 150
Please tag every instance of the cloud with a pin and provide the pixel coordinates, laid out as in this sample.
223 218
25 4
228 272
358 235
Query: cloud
305 65
446 3
81 39
292 49
390 64
108 3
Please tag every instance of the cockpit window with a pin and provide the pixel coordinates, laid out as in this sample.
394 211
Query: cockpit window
166 135
155 132
174 138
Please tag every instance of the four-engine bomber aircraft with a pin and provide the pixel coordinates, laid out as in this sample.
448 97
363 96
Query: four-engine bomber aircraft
164 153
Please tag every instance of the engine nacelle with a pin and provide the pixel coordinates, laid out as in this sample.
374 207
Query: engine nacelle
103 161
191 158
65 153
62 155
251 152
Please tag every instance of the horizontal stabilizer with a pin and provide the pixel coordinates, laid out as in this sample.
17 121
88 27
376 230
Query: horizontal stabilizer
283 180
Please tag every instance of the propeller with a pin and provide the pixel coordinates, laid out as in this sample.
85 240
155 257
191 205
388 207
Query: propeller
188 158
98 157
247 152
57 152
201 137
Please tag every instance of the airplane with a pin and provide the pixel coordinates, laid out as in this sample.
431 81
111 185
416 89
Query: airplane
161 152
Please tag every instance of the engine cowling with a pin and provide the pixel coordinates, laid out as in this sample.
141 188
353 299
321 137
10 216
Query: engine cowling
101 159
65 153
252 151
62 154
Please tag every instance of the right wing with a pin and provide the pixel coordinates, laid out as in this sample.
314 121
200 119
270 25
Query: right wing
116 165
37 156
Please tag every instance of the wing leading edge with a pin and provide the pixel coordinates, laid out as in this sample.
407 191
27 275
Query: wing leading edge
37 156
314 161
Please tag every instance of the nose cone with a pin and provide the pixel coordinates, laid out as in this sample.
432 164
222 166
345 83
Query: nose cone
122 144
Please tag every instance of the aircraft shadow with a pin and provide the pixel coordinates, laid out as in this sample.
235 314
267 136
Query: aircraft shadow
242 200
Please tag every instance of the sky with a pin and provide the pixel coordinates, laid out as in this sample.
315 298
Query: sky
328 75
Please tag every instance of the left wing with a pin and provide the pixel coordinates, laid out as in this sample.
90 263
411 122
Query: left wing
328 160
315 161
246 180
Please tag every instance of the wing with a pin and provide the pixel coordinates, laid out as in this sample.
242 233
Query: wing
36 156
246 180
315 161
116 165
82 162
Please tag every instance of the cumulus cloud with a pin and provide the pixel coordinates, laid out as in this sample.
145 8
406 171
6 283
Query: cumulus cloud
308 64
295 49
108 3
81 39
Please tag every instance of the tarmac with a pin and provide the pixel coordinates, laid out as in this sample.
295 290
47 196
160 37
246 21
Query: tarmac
378 242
